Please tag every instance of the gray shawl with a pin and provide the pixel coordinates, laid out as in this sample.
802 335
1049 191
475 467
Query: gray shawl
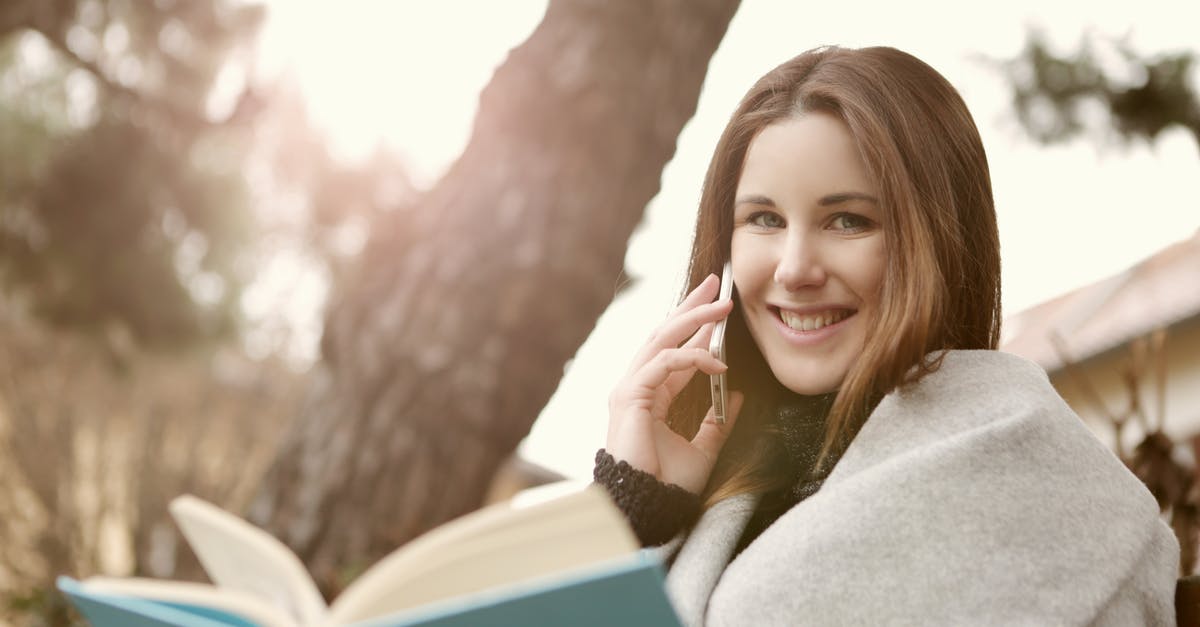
975 496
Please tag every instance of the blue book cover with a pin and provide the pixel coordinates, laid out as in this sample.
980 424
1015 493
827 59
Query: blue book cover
104 610
630 592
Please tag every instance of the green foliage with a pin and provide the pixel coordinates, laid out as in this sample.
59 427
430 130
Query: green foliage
1143 96
122 201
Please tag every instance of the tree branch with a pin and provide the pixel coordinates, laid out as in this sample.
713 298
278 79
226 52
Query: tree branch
249 103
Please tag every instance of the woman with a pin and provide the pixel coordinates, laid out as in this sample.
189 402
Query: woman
888 465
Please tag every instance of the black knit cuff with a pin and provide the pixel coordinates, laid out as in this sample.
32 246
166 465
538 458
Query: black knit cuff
656 510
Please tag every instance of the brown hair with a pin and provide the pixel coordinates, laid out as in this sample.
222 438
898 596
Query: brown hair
941 286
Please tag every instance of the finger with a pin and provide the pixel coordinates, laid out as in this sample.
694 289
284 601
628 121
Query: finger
705 292
656 372
682 327
712 435
678 380
675 331
700 338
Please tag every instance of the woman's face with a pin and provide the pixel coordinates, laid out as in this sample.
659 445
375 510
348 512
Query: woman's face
808 250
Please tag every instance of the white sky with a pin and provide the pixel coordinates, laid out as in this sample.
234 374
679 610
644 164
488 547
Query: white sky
1069 215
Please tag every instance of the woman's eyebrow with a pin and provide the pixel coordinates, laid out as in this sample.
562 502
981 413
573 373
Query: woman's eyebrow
754 199
841 197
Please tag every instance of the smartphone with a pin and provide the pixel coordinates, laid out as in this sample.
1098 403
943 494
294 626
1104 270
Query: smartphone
716 347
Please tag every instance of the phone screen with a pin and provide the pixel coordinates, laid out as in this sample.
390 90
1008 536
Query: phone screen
716 347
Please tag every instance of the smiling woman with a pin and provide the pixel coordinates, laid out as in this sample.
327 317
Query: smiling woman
882 462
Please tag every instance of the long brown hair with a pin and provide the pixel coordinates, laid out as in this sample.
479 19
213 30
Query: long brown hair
941 285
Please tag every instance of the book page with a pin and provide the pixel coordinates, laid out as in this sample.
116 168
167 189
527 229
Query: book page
239 556
495 546
190 594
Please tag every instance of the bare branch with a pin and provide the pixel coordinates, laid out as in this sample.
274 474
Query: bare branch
1158 346
1133 374
1089 391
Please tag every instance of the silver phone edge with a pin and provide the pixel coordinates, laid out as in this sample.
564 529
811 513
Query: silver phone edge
716 348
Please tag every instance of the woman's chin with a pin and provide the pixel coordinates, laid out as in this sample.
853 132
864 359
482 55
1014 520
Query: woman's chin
808 385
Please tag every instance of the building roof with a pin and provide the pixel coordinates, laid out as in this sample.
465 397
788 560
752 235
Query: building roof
1160 291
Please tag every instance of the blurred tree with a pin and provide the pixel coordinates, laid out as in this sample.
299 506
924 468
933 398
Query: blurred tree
443 346
136 168
122 202
1143 96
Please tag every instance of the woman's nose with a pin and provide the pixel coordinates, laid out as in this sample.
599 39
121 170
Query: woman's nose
799 264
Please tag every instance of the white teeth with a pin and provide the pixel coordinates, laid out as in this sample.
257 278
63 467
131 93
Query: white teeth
812 322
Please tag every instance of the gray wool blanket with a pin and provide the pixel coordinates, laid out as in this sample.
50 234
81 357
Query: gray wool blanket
975 496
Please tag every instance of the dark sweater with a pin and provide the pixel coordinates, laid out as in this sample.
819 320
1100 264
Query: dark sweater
658 511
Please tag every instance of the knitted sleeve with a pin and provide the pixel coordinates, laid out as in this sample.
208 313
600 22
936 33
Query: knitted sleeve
656 510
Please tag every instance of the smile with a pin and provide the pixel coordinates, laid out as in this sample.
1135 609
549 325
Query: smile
812 321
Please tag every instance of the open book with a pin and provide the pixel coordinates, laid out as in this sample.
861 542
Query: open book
547 557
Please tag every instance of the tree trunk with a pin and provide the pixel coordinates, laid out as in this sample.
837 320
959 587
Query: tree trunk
439 354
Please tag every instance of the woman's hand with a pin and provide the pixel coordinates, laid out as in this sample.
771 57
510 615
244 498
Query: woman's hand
637 408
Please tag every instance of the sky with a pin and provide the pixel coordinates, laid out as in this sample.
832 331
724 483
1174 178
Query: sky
1069 215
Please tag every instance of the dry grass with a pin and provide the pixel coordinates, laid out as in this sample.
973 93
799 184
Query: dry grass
95 440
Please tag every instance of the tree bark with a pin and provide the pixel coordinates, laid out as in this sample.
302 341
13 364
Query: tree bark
439 354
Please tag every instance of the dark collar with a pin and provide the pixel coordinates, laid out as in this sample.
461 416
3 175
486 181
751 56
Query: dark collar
799 425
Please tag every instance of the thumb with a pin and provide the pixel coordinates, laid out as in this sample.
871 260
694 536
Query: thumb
712 435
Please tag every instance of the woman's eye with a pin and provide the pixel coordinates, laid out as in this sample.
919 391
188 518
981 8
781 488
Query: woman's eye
850 222
765 219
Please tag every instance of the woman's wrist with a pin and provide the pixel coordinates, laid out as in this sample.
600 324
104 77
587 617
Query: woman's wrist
657 511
